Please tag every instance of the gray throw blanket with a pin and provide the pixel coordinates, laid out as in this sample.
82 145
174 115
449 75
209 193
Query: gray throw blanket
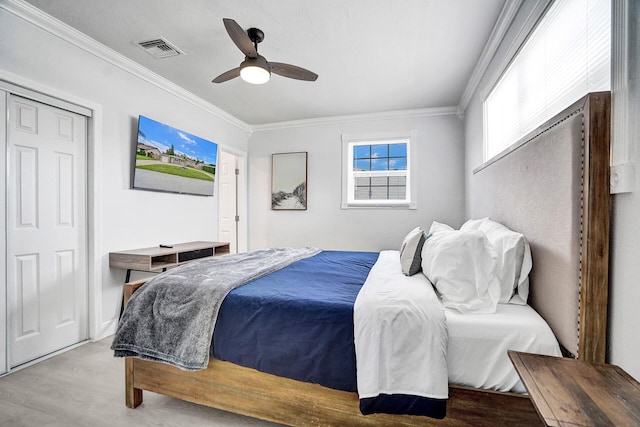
172 317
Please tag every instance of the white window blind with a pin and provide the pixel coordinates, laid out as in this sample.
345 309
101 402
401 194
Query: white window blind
567 56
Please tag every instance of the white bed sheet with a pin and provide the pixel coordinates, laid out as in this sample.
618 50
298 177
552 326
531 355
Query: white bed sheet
478 344
400 334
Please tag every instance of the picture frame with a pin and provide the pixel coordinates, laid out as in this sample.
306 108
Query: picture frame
289 181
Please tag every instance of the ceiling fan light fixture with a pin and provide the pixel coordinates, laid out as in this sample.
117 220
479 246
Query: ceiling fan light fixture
255 70
255 75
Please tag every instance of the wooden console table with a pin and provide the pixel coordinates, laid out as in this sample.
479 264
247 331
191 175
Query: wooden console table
157 259
570 392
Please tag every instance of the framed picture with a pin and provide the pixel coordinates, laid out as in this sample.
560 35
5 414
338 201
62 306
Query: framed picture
289 181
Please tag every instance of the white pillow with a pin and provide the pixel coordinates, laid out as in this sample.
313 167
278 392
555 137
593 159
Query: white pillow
411 252
461 265
514 258
437 227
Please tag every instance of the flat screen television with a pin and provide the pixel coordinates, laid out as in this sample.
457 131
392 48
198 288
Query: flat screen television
168 159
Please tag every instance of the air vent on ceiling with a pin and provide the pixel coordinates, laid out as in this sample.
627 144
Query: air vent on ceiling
159 48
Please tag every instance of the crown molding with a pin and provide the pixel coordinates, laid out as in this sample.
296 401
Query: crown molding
388 115
503 23
35 16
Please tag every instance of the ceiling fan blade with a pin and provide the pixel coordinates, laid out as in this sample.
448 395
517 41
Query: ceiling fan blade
292 71
227 75
240 38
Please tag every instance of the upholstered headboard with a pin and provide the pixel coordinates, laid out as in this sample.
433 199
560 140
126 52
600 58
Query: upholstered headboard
553 186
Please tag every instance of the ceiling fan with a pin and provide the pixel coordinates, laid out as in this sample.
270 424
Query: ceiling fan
255 68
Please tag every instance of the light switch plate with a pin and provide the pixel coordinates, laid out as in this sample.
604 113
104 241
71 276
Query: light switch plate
622 178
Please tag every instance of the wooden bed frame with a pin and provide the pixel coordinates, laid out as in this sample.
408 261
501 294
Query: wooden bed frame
246 391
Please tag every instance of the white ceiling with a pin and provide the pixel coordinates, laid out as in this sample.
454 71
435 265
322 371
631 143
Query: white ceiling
371 56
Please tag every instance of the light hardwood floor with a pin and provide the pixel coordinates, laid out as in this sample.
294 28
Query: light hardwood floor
85 387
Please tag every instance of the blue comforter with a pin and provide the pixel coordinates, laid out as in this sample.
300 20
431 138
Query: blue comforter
300 329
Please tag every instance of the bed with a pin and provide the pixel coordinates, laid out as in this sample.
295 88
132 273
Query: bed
568 282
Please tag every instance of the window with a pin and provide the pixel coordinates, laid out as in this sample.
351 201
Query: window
377 172
567 56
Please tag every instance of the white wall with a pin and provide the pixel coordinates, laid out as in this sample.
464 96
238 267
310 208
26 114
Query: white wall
624 322
324 224
3 237
124 218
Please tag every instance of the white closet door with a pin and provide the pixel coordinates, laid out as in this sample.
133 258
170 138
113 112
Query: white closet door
46 230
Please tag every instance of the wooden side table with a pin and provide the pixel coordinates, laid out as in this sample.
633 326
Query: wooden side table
570 392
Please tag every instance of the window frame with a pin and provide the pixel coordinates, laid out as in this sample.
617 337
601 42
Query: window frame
348 175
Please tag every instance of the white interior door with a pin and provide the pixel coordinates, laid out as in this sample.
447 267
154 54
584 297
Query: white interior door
228 202
46 229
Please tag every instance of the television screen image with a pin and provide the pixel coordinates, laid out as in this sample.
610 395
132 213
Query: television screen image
171 160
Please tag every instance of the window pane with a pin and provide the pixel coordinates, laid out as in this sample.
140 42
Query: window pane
361 151
363 181
362 188
379 193
380 150
398 180
362 165
398 164
397 150
380 164
361 193
379 180
397 193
